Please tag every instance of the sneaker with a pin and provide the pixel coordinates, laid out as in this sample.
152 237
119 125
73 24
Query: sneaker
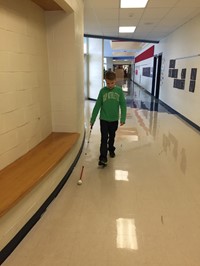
103 162
112 154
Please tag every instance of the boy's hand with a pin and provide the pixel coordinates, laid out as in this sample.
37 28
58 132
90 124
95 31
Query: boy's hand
121 124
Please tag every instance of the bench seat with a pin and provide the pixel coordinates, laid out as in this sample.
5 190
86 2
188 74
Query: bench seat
21 176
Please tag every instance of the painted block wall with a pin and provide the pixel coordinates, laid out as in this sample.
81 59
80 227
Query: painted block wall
61 52
65 54
79 63
18 216
25 110
30 100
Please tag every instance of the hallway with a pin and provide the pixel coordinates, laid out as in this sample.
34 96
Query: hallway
140 210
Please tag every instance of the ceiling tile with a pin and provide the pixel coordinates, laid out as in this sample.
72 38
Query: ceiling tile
153 23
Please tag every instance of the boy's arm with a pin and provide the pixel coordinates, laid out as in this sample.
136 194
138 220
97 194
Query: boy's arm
123 109
96 109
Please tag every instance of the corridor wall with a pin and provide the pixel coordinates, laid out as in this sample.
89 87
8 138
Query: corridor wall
41 90
25 108
183 47
65 56
180 83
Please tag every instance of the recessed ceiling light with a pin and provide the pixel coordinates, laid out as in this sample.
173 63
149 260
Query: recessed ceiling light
133 3
127 29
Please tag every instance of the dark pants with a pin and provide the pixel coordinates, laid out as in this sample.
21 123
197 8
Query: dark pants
108 130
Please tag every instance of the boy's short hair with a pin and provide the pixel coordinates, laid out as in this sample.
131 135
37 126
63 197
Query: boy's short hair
110 75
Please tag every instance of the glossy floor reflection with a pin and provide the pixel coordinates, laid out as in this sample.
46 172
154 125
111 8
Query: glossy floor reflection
142 209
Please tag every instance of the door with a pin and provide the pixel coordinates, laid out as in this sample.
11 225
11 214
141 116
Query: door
158 75
154 75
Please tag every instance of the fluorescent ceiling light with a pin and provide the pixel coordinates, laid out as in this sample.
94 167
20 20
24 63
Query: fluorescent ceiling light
127 29
133 3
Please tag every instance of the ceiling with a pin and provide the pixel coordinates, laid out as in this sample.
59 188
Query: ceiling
158 19
154 22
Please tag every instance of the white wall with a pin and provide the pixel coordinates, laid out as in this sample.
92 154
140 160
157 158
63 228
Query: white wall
184 42
65 51
145 82
25 103
25 109
32 98
184 46
95 51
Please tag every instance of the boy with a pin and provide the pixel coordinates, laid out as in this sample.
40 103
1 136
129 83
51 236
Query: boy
110 100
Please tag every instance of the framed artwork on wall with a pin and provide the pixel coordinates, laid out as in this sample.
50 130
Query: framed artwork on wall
193 75
172 63
173 73
192 85
183 73
179 84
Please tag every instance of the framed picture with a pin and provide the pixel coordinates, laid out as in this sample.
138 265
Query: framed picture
173 73
193 74
172 63
192 85
183 73
179 84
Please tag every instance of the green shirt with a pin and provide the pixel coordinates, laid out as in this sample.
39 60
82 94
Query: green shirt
109 102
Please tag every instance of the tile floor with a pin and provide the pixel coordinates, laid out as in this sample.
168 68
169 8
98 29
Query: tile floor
143 209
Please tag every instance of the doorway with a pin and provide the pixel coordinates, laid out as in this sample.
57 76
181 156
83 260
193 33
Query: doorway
155 91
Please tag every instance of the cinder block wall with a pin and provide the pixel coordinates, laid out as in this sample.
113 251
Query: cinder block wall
41 74
25 109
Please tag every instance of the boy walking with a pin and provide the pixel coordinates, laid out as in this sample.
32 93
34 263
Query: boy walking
110 101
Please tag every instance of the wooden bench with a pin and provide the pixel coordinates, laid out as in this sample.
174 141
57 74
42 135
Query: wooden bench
21 176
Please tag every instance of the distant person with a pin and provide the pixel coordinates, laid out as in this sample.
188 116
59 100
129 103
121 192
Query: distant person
110 102
125 73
